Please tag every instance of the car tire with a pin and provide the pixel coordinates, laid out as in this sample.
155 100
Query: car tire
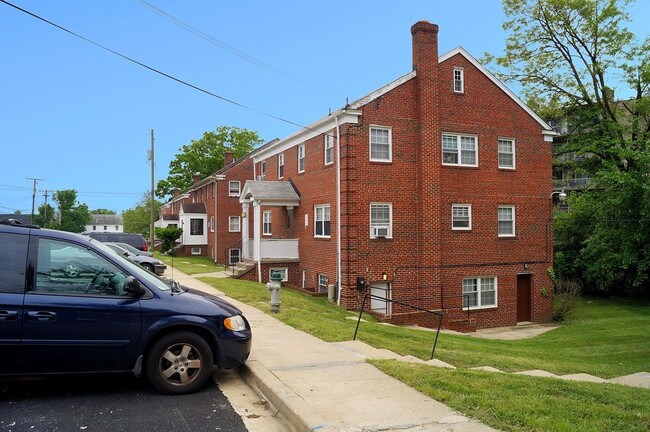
148 267
179 363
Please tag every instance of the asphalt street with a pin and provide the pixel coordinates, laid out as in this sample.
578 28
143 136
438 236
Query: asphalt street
111 403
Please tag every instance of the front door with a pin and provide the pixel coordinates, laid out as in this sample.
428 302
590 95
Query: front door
523 298
77 316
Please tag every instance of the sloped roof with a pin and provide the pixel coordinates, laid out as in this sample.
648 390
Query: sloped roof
170 217
198 208
105 219
270 192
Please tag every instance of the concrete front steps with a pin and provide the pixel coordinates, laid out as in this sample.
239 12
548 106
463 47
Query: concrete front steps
363 350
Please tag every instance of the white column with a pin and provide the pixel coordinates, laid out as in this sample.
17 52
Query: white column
257 234
244 231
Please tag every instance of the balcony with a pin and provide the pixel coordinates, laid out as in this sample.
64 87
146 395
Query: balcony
572 184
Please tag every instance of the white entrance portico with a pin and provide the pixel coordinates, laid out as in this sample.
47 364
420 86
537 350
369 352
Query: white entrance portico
259 193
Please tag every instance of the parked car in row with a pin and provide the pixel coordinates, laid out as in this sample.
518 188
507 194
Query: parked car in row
152 264
134 250
135 240
71 305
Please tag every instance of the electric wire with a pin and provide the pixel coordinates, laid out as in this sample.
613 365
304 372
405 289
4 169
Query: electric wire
152 69
221 44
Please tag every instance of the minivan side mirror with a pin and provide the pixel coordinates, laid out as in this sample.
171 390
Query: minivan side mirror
134 287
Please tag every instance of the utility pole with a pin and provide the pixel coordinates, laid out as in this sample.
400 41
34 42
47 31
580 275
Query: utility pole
31 220
153 201
45 209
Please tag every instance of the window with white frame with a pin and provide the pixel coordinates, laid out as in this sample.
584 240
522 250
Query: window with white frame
380 144
322 283
234 256
234 224
322 226
266 223
281 165
329 149
506 217
234 188
262 175
480 292
195 251
381 220
461 217
196 226
301 158
211 223
459 82
506 153
459 150
284 272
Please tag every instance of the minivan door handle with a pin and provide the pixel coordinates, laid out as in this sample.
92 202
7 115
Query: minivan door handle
41 316
7 315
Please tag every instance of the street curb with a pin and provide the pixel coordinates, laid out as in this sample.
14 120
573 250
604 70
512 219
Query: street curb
291 406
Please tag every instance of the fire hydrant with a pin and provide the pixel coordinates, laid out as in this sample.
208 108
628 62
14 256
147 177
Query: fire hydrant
274 286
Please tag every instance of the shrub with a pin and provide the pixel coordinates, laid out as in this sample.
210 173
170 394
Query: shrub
566 294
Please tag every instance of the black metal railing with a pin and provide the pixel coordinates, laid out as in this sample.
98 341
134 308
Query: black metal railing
368 295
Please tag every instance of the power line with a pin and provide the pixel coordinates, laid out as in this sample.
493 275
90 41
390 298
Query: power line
152 69
220 43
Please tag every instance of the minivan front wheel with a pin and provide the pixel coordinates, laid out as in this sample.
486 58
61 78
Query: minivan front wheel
179 363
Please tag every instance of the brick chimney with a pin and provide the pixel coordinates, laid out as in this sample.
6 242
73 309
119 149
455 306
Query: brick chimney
196 178
430 213
228 158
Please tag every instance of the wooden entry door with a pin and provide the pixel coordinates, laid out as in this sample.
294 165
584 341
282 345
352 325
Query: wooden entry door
523 298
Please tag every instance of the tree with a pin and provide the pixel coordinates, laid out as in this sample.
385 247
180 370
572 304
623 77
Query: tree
46 216
168 235
138 218
103 211
205 156
72 216
570 56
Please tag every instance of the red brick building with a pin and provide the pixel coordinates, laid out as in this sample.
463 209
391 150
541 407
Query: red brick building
434 190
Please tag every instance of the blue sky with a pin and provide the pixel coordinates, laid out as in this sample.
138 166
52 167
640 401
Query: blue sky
79 117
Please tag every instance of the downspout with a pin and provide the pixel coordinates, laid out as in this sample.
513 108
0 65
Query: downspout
338 211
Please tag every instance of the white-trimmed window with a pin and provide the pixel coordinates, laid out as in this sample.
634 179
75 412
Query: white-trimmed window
506 218
459 81
196 226
506 153
380 144
322 283
301 158
234 256
329 149
461 217
211 223
381 220
284 272
322 227
266 225
234 224
262 175
195 251
459 150
281 165
234 188
480 292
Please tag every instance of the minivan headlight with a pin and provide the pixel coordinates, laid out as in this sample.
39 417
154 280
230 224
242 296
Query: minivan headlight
235 323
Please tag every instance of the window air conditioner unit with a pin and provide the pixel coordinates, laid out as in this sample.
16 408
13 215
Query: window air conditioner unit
380 231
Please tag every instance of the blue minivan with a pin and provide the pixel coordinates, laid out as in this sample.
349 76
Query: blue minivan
70 305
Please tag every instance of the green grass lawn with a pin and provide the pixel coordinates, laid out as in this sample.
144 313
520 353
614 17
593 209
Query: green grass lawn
606 338
190 265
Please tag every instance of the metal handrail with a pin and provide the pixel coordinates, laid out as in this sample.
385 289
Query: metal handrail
372 296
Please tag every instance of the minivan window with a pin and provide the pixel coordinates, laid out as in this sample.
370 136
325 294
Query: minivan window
13 258
67 268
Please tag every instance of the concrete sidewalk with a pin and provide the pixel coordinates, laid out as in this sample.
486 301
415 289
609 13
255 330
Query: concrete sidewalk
318 386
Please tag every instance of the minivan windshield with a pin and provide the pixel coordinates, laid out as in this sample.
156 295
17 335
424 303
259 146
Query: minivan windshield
135 269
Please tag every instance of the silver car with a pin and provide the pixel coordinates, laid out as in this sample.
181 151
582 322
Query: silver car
152 264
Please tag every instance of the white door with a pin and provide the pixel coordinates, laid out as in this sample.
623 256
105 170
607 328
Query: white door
380 291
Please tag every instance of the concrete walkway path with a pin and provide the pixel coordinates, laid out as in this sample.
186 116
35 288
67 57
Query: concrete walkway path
321 386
